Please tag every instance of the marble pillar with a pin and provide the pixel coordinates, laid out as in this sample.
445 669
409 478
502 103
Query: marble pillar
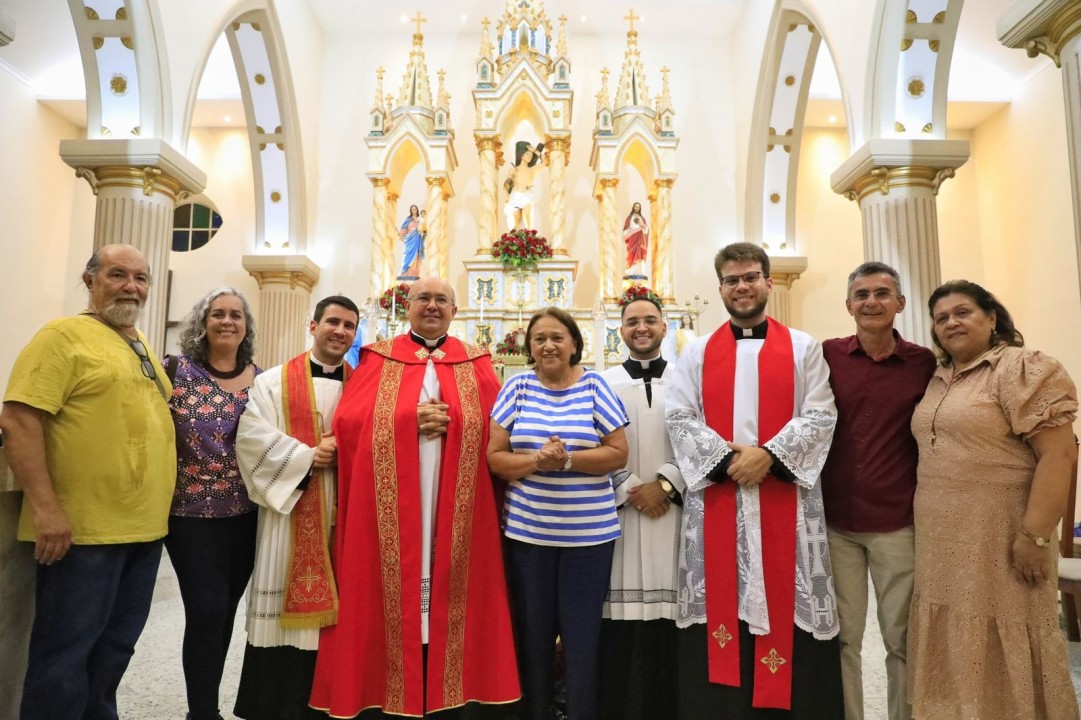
137 183
662 254
391 241
285 302
488 222
380 264
1053 28
610 240
558 156
895 182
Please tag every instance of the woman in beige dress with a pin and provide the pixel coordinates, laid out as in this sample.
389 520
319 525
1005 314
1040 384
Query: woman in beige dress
996 444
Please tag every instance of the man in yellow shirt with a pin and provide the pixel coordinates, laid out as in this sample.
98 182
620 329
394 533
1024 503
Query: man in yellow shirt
89 437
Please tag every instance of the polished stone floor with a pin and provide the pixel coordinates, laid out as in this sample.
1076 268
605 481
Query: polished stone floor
153 688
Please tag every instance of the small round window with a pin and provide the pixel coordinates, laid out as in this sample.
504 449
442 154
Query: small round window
193 226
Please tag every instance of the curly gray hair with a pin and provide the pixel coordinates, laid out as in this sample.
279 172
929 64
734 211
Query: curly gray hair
193 342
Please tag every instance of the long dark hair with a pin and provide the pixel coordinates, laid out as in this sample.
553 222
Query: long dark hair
1005 331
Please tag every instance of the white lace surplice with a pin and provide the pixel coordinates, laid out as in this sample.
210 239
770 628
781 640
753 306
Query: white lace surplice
802 445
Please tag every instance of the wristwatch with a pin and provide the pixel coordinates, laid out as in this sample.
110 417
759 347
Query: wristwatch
567 462
1040 541
669 490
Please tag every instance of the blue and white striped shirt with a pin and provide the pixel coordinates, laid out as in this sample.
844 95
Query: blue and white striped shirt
557 507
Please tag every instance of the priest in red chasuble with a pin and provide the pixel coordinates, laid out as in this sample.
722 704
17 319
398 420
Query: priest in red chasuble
751 415
423 623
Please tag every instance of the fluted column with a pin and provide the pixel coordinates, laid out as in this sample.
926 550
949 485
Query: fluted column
785 270
137 183
435 244
896 183
285 299
390 241
380 225
662 251
558 156
1053 28
487 224
610 236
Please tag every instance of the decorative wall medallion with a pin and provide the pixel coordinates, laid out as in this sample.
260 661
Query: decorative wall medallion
775 198
790 80
915 87
927 128
118 84
275 197
260 78
898 127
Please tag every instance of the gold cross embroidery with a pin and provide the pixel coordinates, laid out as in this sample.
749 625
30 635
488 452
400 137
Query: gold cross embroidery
423 354
722 635
773 660
308 579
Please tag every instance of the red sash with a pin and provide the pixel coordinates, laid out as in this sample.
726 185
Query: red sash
777 499
311 597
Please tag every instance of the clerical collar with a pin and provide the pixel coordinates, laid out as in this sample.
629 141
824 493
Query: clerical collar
651 368
758 332
425 342
319 369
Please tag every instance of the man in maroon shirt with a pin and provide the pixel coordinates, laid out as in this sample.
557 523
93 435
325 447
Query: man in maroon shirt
870 477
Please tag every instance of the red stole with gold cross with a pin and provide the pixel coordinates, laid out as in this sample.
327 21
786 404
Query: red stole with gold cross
311 596
777 499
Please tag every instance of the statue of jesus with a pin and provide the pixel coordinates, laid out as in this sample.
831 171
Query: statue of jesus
519 207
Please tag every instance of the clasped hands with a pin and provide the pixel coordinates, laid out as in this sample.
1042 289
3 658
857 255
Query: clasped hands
551 456
750 465
326 452
432 418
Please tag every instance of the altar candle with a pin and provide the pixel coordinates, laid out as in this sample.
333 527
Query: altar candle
393 305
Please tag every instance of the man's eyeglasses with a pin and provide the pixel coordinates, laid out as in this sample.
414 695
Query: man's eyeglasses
144 359
881 295
750 278
440 300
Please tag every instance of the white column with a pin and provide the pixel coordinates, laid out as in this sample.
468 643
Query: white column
896 183
1053 28
391 240
558 155
285 300
380 226
137 183
785 270
487 223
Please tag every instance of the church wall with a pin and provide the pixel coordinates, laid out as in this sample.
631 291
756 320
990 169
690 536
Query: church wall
225 157
704 197
48 220
1026 217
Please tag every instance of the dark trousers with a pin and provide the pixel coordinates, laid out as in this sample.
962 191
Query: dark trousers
213 559
90 610
558 591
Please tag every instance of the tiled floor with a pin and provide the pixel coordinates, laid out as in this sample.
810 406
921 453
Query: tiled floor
153 688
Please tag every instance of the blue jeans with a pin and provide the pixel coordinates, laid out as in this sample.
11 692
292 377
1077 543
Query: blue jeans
91 608
558 591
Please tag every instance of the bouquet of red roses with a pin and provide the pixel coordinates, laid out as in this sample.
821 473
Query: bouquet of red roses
638 292
509 344
395 298
521 249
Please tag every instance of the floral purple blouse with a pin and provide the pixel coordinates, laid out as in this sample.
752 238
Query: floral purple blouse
208 482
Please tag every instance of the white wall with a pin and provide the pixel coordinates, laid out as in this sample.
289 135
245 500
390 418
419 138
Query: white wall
47 226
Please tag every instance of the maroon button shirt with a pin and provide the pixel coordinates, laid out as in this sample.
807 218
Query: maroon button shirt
870 476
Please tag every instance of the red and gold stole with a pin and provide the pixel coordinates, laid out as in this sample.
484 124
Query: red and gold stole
311 596
777 499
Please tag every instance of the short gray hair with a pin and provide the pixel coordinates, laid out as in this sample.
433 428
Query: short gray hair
875 268
93 265
193 342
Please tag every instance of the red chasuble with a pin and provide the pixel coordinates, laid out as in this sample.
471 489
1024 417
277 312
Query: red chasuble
373 656
777 500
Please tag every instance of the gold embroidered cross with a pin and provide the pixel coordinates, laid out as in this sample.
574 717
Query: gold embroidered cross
308 579
773 660
722 635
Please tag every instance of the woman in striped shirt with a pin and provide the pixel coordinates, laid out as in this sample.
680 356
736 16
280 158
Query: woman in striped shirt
556 435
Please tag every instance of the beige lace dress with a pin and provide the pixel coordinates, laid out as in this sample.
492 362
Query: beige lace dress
981 645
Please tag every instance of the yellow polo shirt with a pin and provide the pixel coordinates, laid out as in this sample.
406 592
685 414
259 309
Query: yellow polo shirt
109 439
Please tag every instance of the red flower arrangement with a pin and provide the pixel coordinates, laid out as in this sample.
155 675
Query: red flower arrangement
638 292
396 296
509 344
521 249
